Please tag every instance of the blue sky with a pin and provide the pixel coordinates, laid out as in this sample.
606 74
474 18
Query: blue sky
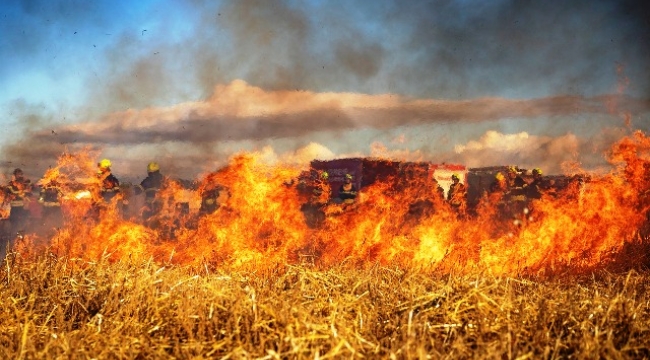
564 73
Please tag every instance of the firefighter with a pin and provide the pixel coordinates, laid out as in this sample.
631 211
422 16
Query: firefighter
109 188
457 195
319 197
109 185
50 198
498 192
150 186
321 189
537 187
499 185
516 197
347 191
516 184
19 191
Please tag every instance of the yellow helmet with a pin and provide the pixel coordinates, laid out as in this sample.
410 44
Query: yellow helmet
104 164
348 176
153 166
512 169
499 176
455 177
324 175
537 171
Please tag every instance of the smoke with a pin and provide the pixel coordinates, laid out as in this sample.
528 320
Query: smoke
468 49
191 90
195 133
553 154
523 149
439 49
269 44
299 158
239 111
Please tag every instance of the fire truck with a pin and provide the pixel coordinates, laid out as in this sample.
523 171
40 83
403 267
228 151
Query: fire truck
368 171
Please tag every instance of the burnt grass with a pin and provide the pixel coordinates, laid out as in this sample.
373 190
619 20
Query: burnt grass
70 308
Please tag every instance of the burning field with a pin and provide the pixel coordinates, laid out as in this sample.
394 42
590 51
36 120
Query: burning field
254 278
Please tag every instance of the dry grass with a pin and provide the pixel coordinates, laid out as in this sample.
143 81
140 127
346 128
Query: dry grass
66 308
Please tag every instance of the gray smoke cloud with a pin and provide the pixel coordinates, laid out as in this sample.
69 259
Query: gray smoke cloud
446 62
438 49
204 125
194 132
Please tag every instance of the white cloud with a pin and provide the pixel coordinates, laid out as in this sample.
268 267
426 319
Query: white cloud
494 140
522 149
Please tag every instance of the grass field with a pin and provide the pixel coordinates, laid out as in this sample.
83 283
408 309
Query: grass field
253 280
67 308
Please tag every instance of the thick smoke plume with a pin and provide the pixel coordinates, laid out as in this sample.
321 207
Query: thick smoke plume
249 74
239 112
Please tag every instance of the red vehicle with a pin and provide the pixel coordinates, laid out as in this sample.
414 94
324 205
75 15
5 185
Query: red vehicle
367 171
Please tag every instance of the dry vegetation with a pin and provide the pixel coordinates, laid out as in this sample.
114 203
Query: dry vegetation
67 308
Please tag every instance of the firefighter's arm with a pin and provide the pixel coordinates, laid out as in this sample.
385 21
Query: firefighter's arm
114 183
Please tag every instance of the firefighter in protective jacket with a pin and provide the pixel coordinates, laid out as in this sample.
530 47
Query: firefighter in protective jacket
321 192
517 200
347 191
18 192
109 185
150 186
50 198
516 185
497 194
537 187
457 195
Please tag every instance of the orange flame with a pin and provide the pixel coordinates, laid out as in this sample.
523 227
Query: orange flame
260 222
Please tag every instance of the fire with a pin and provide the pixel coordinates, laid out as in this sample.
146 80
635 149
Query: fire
83 194
259 221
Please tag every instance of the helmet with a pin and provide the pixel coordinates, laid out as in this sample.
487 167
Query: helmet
499 177
455 177
105 163
537 171
153 166
512 169
18 172
324 175
348 176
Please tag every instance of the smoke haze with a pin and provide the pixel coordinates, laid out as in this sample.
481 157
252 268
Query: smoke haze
191 87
